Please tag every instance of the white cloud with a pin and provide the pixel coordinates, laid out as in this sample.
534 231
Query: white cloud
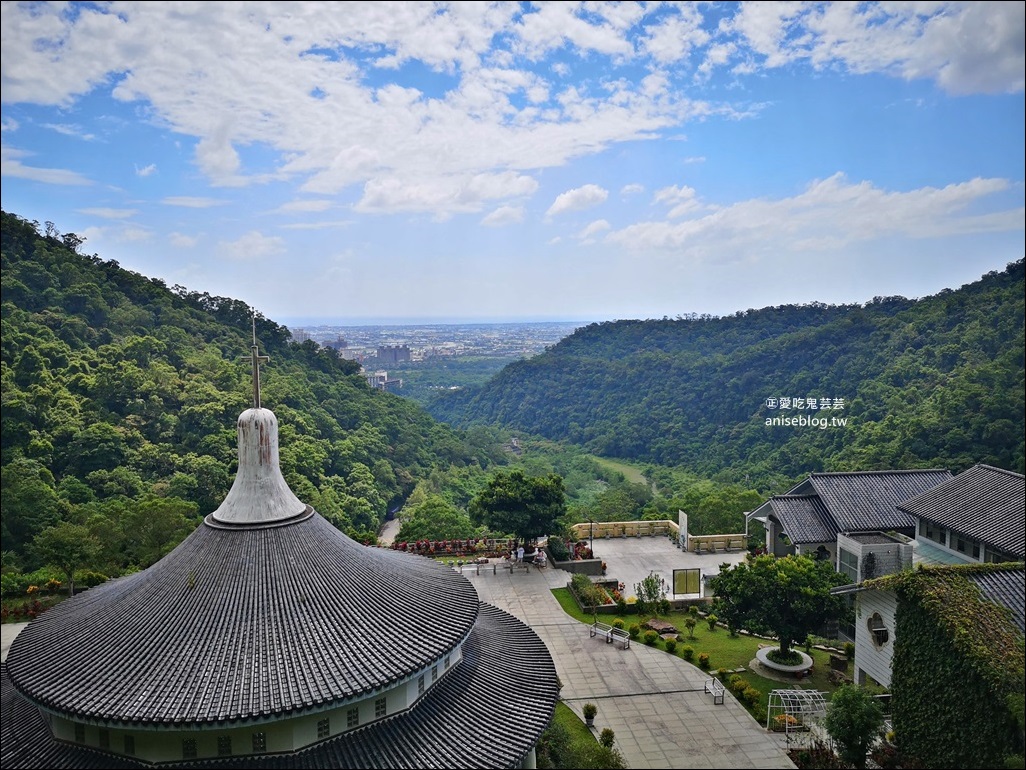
681 200
11 165
675 36
182 241
145 171
965 47
191 202
305 206
107 213
632 189
252 245
504 215
76 131
577 199
830 211
318 225
596 227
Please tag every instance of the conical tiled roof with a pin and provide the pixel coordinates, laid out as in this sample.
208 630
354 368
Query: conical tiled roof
245 624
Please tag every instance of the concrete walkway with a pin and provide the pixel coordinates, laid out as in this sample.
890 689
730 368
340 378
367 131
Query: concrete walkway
655 703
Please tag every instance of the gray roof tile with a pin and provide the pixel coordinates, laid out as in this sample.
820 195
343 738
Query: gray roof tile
983 503
467 720
868 500
1007 588
804 518
323 617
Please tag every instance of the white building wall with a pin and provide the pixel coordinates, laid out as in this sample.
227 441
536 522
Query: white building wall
871 659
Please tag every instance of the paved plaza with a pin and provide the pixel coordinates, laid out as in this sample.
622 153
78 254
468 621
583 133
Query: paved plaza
655 703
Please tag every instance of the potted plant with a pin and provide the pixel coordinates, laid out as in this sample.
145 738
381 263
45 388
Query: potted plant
590 710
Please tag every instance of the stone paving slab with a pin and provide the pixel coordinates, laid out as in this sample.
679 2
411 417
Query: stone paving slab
654 702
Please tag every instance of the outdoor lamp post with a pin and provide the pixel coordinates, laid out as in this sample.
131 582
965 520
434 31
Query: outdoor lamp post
591 538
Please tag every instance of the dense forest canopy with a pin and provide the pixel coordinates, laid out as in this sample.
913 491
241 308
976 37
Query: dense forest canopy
935 382
120 398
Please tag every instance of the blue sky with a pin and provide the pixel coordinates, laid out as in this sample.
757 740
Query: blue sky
540 161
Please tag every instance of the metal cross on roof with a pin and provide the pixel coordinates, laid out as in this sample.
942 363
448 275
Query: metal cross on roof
256 359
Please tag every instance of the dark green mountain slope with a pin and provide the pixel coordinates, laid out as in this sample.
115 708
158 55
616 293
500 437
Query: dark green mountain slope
120 395
931 382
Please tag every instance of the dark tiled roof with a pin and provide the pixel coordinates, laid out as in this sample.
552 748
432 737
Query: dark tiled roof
804 519
278 620
1007 588
868 500
468 720
983 503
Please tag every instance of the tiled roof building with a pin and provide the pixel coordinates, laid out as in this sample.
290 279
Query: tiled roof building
983 504
825 505
268 638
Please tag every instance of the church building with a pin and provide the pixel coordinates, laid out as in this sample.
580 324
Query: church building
269 639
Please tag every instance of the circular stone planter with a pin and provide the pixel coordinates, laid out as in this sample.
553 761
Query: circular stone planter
762 655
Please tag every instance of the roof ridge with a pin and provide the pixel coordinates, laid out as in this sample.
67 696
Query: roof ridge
994 468
878 473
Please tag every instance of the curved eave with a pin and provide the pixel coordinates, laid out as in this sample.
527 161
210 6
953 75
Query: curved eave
248 624
488 712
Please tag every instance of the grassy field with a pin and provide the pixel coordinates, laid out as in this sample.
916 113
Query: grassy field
630 472
724 650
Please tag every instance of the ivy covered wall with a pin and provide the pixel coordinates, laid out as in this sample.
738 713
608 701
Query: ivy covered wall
958 671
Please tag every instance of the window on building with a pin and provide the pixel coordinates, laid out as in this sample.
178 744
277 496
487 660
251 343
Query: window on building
224 746
352 717
130 745
104 738
960 545
188 748
79 733
848 564
323 728
447 662
931 531
976 550
434 673
380 709
259 742
877 630
420 685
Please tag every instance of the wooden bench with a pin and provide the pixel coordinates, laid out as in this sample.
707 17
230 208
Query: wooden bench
716 689
610 633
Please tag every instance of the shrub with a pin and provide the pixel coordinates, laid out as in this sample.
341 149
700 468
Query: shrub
607 737
722 674
634 630
651 637
671 646
711 620
664 606
849 650
590 710
618 623
703 660
737 683
751 695
687 652
88 579
621 605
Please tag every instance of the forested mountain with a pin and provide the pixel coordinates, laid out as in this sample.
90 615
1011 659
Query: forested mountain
120 398
931 382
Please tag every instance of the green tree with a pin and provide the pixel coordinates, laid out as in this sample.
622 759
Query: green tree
525 506
435 519
66 546
788 597
853 719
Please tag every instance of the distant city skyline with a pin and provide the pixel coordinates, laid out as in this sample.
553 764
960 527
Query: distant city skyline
460 162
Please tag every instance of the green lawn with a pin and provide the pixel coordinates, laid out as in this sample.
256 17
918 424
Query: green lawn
724 651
